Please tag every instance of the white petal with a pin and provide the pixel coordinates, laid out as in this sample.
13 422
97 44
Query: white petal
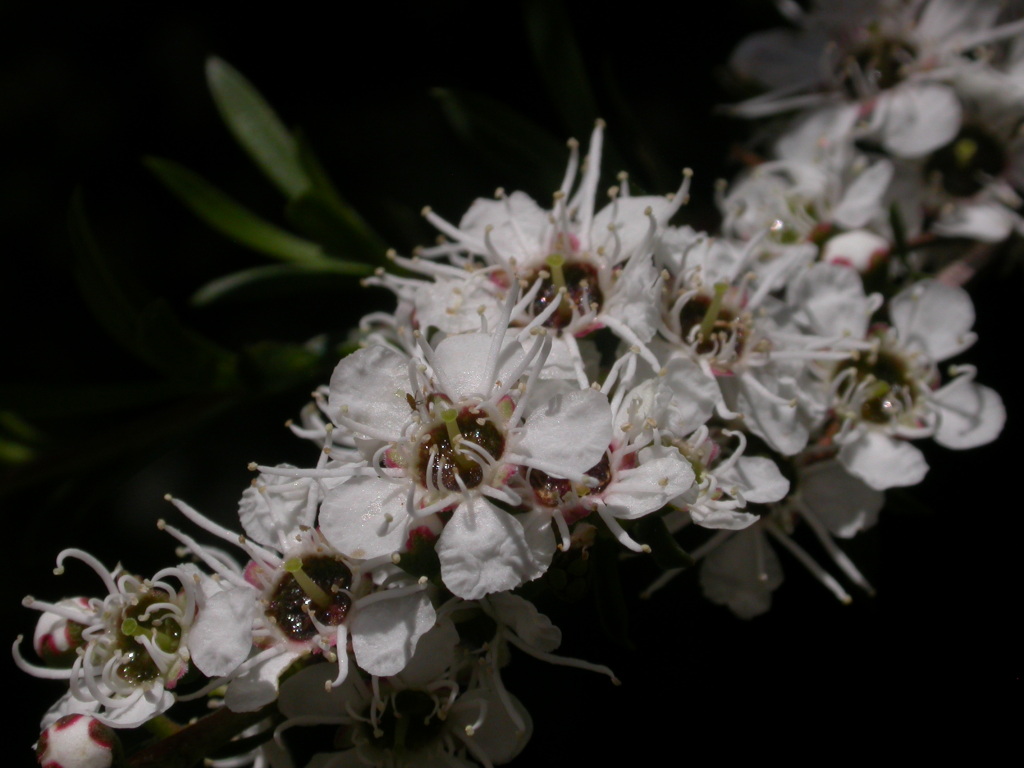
499 738
644 489
987 221
221 636
843 503
571 431
372 383
365 517
862 200
934 318
882 461
462 363
969 414
385 633
914 120
742 573
831 300
757 478
435 653
258 686
484 549
531 625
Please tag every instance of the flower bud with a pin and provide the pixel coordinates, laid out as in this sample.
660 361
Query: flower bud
78 741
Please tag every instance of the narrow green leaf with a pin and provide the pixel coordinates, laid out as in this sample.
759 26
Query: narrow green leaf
324 215
231 219
183 354
259 277
256 127
145 327
515 146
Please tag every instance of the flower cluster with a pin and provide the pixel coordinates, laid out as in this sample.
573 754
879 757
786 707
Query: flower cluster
552 376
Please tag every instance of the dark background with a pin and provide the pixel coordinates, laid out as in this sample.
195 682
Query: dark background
85 94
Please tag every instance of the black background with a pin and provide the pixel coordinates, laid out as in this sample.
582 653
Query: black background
85 93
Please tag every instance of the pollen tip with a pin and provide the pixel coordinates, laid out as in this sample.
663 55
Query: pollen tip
161 524
422 580
616 681
426 210
645 548
390 254
599 123
846 600
688 172
396 558
252 466
27 600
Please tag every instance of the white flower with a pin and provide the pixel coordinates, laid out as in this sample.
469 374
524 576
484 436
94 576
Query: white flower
305 598
133 645
878 69
579 269
890 394
442 431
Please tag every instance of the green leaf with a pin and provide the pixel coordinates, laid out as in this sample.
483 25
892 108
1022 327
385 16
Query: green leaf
183 354
145 327
322 214
256 127
258 279
231 219
515 146
652 531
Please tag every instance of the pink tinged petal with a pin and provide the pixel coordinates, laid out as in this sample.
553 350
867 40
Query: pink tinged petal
77 741
986 221
571 431
969 414
647 488
845 504
831 299
259 684
758 479
916 119
498 737
882 461
863 198
742 573
372 383
533 627
484 549
858 249
365 517
933 318
221 636
385 633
